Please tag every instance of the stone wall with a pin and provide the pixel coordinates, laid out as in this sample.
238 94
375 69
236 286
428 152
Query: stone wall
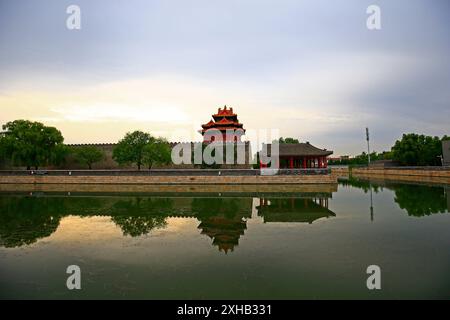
340 172
223 189
411 174
167 180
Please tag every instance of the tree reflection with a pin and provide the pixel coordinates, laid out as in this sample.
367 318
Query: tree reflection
417 200
140 225
364 185
24 220
138 216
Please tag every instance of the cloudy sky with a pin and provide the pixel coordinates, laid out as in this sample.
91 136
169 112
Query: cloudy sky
310 68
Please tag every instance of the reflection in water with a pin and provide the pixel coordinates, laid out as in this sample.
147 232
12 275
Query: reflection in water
169 245
447 191
25 219
223 219
421 201
138 216
293 209
417 200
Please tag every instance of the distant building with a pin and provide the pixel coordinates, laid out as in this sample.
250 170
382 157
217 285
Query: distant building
339 158
446 152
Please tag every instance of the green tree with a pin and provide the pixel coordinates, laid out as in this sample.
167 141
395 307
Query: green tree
131 148
32 143
88 155
417 150
288 140
157 152
3 157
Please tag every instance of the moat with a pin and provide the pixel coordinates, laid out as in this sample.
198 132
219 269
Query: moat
225 244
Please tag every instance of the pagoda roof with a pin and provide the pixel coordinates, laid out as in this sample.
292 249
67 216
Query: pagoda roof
299 149
225 121
209 124
225 112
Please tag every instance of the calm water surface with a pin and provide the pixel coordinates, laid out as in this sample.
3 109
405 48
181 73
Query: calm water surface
228 246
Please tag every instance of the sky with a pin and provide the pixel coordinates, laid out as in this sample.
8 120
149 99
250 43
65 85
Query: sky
309 69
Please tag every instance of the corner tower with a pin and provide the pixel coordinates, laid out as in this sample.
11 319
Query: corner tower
224 127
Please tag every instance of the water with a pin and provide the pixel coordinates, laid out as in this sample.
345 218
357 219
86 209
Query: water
228 245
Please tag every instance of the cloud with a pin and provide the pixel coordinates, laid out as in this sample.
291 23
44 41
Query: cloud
119 113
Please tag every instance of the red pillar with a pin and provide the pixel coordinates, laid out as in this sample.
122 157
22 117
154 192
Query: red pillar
304 162
291 162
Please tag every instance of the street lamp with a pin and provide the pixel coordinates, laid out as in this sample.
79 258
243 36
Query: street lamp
368 145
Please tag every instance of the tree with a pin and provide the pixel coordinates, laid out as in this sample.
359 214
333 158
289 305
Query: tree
31 143
417 150
88 155
131 148
3 156
288 140
157 152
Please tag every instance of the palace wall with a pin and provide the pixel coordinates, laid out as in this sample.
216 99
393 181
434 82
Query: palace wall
411 174
168 180
108 162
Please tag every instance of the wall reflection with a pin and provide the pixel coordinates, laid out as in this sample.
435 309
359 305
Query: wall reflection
24 219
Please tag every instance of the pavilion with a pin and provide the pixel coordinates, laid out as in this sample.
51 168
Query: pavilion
299 155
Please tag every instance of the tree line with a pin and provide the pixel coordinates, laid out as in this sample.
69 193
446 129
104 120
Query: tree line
34 145
411 150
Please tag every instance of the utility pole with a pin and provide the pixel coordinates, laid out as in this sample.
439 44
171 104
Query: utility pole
368 145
